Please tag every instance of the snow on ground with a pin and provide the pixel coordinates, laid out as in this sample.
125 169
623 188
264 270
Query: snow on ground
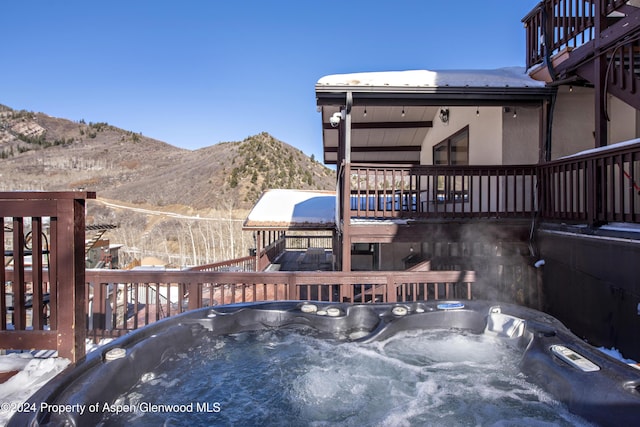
34 372
613 352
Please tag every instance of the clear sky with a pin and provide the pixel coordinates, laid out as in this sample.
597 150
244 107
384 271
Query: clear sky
195 73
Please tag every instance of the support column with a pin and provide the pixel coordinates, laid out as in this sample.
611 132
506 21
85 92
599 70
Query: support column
600 74
346 219
346 186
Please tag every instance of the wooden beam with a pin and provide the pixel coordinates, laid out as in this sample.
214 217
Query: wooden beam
384 125
21 340
378 149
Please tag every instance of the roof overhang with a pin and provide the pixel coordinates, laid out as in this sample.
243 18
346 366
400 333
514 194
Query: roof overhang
392 112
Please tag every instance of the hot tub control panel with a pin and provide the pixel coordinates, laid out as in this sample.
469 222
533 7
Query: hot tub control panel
574 359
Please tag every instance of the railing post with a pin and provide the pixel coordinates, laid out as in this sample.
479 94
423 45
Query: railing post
72 321
3 296
292 291
391 289
592 197
195 296
18 285
37 311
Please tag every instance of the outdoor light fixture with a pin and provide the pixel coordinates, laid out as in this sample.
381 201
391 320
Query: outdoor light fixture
477 111
508 110
402 111
444 115
365 112
334 120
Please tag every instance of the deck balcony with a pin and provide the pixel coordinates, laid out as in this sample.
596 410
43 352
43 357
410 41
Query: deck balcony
441 192
586 42
598 186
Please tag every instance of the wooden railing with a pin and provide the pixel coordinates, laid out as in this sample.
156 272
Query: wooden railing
442 191
56 274
597 187
302 242
556 25
247 263
121 300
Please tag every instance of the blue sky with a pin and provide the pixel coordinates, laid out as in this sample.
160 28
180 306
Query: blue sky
195 73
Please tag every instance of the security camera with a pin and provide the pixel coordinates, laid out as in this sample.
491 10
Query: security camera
335 120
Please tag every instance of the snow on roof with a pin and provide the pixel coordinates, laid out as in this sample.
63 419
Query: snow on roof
502 77
293 209
602 149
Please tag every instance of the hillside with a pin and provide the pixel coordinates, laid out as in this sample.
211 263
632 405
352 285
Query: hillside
39 152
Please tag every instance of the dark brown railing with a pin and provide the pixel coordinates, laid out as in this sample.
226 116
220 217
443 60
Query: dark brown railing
122 300
301 242
442 191
562 25
46 309
596 187
558 25
247 263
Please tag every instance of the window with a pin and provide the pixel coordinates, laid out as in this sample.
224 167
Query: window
453 151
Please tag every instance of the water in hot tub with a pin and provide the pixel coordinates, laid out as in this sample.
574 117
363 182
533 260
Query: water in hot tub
289 377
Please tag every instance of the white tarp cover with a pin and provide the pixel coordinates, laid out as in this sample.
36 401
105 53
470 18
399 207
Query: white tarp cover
293 209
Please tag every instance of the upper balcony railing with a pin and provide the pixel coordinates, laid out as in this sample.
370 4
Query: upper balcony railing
442 191
562 25
598 186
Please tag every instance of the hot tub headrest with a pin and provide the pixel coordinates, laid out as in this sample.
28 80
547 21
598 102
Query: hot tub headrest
504 325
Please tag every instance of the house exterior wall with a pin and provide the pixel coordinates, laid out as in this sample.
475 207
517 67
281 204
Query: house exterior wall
495 136
573 121
485 135
623 125
521 136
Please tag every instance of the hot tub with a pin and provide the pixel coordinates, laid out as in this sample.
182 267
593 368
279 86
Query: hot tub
317 363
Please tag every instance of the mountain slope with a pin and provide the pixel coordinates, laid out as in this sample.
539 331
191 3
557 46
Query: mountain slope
38 152
186 207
